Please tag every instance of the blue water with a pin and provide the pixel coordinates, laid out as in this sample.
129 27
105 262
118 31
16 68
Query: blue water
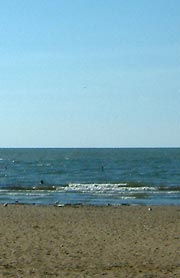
90 176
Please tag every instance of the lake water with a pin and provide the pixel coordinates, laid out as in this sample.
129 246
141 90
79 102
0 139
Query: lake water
90 176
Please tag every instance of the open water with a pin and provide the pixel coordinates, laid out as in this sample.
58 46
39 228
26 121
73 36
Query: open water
90 176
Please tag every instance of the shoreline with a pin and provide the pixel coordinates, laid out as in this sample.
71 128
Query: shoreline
86 205
89 241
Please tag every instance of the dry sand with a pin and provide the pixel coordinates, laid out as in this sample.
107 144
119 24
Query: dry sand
125 241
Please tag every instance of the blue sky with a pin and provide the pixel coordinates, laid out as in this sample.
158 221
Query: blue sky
90 73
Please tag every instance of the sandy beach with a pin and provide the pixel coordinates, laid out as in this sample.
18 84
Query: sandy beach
77 241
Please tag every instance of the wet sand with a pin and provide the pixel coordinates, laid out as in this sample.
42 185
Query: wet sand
77 241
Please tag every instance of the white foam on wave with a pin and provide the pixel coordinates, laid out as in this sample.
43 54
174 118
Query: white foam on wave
93 187
105 188
126 197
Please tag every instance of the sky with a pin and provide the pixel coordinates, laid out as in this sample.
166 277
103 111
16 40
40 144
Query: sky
90 73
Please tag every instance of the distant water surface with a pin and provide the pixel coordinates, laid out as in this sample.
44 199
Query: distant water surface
90 176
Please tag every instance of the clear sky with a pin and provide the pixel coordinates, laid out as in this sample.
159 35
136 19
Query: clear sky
90 73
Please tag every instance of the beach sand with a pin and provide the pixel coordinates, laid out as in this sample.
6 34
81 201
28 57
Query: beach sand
89 241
